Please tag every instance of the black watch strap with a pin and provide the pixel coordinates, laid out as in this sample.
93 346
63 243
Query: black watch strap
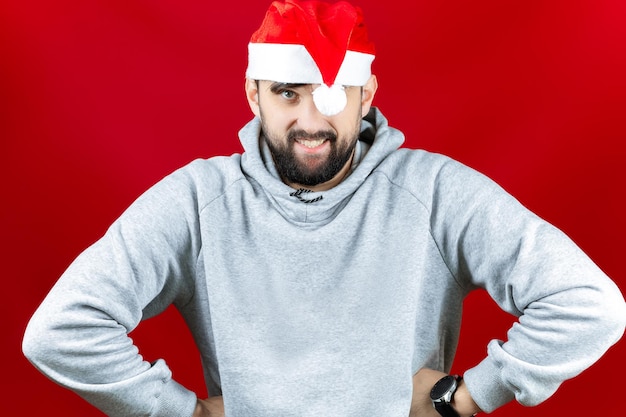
446 410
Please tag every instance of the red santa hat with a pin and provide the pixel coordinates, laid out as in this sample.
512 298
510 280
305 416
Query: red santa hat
313 42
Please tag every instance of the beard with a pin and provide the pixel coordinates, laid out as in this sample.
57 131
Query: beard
313 170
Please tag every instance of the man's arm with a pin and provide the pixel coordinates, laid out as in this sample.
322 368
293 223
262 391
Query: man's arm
79 335
569 312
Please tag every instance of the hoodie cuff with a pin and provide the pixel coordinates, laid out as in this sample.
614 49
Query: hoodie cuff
484 382
175 400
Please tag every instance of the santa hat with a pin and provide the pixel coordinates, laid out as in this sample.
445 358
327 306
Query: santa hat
313 42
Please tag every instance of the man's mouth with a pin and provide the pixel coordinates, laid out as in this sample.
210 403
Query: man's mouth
311 144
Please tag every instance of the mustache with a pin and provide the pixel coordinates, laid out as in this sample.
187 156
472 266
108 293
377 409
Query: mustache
320 134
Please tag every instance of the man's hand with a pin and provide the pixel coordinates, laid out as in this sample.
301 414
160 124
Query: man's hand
422 406
211 407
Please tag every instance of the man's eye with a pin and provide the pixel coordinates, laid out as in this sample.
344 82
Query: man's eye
288 94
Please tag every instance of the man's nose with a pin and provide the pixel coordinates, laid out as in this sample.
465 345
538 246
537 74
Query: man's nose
309 118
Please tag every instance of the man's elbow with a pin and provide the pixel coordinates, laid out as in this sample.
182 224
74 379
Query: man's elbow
612 312
37 346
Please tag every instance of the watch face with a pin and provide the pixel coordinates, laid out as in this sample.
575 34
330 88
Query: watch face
443 386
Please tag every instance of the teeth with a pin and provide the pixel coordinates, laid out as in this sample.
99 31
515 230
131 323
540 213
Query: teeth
311 143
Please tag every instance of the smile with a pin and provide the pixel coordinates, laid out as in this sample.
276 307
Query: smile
310 143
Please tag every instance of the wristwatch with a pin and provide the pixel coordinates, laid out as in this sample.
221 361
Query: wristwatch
442 393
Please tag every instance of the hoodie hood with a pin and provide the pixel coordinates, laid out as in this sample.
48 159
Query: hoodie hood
376 142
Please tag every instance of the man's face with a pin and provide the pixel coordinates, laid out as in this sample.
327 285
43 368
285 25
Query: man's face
308 148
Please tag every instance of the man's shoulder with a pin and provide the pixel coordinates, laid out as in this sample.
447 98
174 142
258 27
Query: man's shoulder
423 172
415 164
214 166
205 177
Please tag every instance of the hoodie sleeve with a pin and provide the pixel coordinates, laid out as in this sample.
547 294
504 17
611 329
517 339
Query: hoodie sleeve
569 312
78 337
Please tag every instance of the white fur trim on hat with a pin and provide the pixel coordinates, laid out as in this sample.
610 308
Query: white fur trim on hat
289 63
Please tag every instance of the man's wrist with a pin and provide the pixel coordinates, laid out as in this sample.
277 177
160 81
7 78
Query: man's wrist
463 402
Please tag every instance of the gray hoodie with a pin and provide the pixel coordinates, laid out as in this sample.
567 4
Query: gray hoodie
328 306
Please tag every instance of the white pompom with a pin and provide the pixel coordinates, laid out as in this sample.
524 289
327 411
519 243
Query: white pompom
330 100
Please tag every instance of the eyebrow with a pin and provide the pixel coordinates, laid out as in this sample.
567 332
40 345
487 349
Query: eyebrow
276 87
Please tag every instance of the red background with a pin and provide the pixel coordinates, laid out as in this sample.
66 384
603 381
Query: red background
100 99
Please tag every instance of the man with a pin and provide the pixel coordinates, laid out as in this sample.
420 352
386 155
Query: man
322 272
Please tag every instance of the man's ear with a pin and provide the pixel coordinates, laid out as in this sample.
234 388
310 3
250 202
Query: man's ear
252 94
369 90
